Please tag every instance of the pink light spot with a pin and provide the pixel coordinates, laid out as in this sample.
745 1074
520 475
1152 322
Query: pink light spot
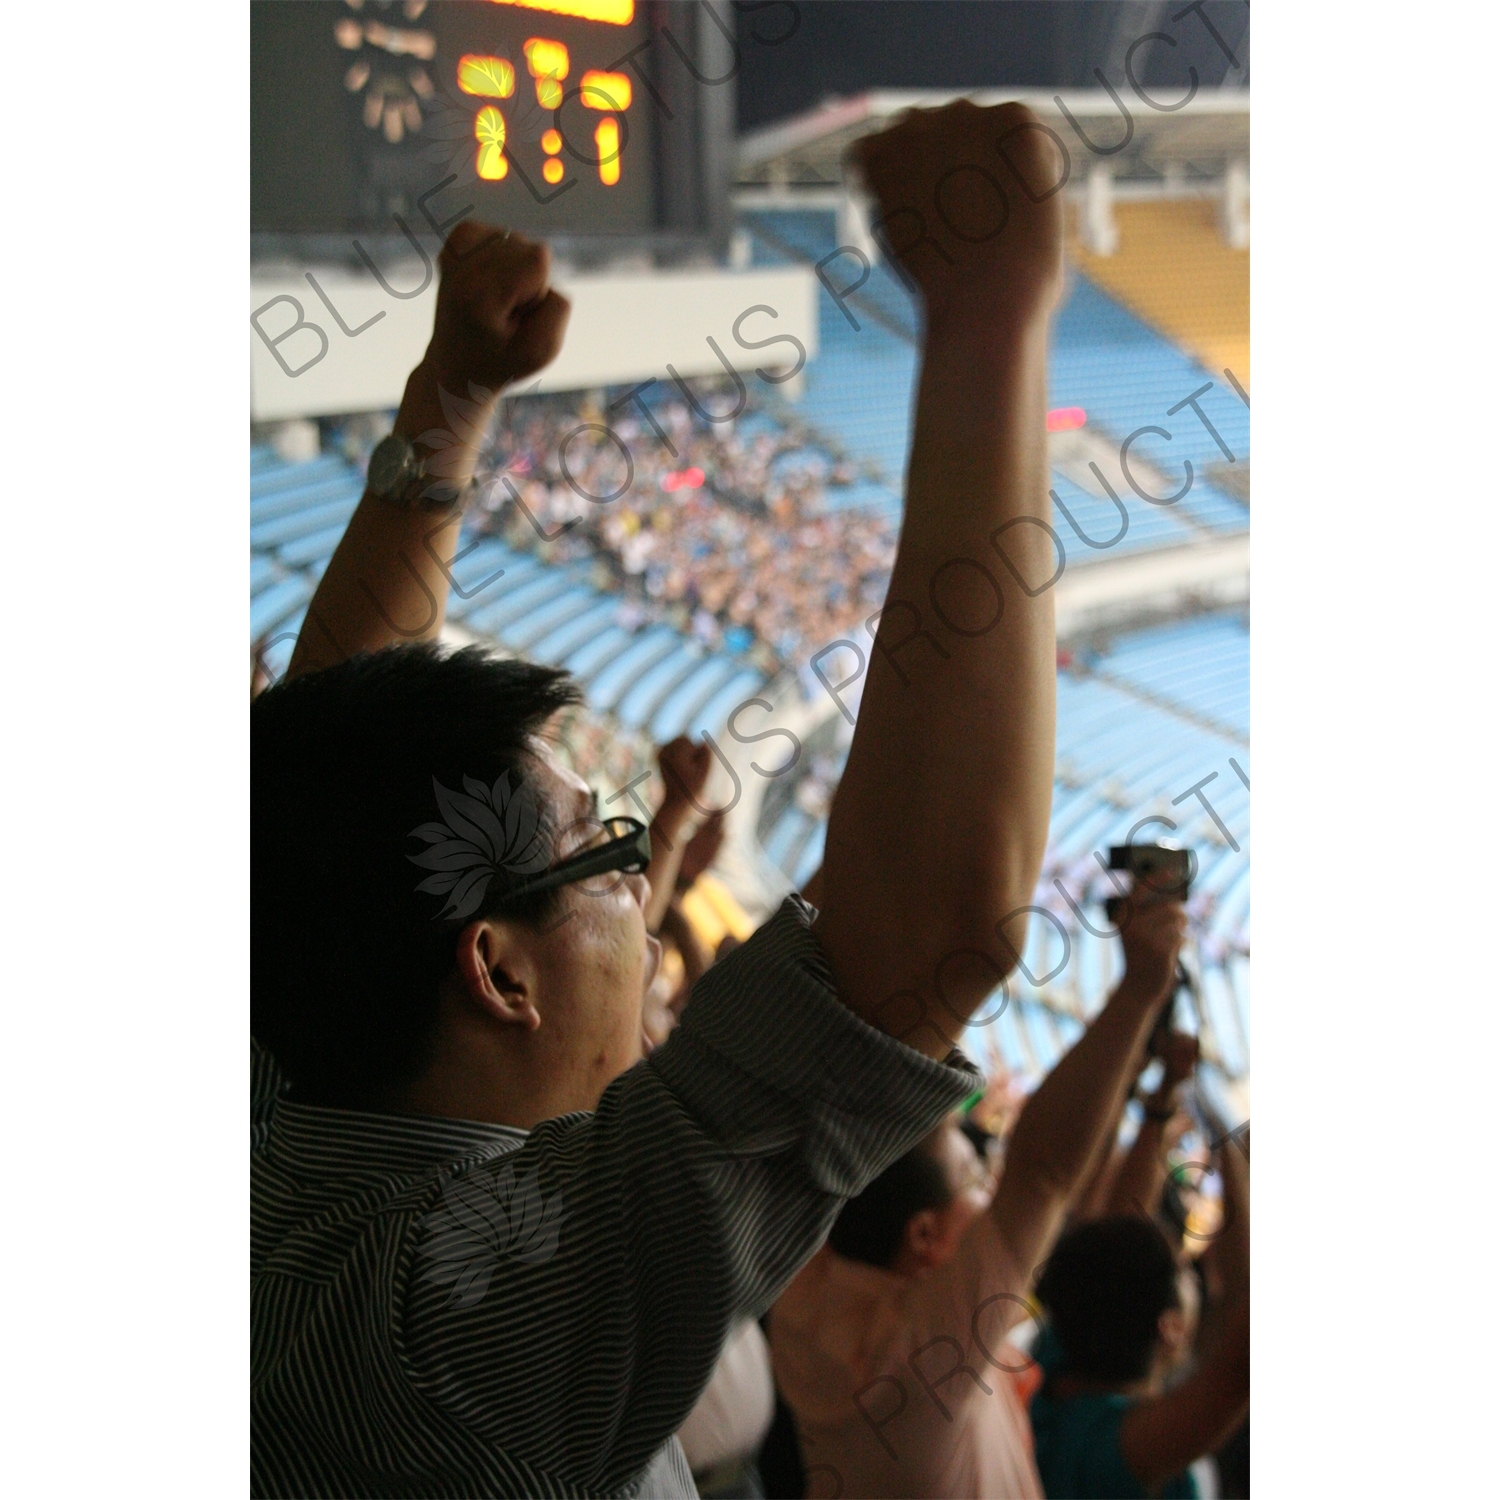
683 479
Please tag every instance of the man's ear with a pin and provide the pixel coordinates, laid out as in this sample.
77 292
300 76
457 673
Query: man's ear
923 1235
497 972
1172 1330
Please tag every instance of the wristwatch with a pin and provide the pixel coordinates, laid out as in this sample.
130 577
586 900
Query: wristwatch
398 475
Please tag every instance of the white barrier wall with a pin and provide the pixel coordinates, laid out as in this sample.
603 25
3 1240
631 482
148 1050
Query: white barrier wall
331 341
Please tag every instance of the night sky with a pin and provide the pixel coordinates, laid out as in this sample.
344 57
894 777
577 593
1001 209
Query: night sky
848 46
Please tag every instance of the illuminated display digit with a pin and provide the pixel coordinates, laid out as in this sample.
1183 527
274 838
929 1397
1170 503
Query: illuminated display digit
607 91
548 63
607 139
490 77
611 12
489 131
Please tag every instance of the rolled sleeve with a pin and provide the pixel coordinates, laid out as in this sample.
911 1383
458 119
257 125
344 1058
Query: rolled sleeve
767 1055
707 1176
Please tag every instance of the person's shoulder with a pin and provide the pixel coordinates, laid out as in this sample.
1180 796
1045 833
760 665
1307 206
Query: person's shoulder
268 1084
837 1301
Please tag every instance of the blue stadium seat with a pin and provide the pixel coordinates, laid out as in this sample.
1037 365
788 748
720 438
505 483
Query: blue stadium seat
711 718
518 596
685 700
304 521
519 569
271 608
290 499
482 561
607 686
652 687
591 656
787 836
807 859
1103 358
263 572
563 608
563 639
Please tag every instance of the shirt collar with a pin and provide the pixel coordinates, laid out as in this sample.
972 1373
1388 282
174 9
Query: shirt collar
319 1139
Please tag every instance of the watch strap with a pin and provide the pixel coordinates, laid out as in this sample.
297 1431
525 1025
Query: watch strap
398 475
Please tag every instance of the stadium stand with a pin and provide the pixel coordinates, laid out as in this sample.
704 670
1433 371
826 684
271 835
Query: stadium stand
1104 358
1141 720
1174 271
655 675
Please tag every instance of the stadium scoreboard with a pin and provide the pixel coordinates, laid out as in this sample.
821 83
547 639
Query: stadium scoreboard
542 112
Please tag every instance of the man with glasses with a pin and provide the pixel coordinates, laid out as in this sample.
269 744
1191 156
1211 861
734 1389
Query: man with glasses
494 1250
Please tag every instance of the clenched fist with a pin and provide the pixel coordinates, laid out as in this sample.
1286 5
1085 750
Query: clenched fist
685 769
497 320
957 191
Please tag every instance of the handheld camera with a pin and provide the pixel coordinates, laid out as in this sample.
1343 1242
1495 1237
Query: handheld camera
1169 871
1161 868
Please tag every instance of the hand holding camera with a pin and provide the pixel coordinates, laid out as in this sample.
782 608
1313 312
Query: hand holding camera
1153 936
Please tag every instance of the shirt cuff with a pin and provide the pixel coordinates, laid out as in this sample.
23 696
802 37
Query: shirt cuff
768 1056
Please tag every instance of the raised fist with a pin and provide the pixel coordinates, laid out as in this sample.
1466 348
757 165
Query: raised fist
957 193
684 769
497 319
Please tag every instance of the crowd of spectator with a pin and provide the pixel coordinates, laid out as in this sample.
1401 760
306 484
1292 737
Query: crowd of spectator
727 534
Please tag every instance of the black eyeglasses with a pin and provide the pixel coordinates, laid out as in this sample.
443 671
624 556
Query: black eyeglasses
627 850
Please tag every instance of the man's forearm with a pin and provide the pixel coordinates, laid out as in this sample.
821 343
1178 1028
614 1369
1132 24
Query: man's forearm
496 322
941 819
1143 1173
1064 1121
671 829
387 581
1099 1178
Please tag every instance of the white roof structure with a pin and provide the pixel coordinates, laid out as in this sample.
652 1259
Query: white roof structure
1197 139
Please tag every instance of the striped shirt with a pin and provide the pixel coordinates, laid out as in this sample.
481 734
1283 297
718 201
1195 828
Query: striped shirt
445 1307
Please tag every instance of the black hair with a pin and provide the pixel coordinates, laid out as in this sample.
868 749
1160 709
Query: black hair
869 1228
347 953
979 1137
1104 1288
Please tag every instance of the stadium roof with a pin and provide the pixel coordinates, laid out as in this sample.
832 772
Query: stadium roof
1198 139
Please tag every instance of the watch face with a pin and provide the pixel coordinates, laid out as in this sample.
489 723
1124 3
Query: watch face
388 464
